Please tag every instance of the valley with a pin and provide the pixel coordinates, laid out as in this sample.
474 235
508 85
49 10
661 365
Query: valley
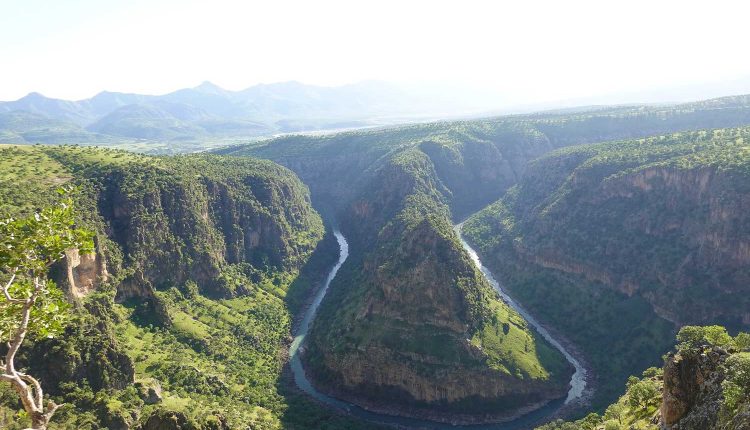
523 419
325 162
332 286
336 215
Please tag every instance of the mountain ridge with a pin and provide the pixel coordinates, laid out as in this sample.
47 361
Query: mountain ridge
278 107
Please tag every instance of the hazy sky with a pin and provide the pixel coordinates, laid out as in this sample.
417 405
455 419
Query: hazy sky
531 50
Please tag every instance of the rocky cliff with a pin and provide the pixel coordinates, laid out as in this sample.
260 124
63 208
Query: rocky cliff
199 252
382 202
703 385
410 325
186 218
661 221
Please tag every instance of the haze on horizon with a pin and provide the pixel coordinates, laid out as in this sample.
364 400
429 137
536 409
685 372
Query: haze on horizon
526 52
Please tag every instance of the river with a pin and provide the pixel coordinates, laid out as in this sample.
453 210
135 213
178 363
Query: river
578 380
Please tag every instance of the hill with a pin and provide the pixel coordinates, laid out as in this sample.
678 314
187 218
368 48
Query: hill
208 112
25 127
394 192
652 230
704 384
184 312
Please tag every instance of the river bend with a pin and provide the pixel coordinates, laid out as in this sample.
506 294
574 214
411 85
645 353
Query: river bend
577 384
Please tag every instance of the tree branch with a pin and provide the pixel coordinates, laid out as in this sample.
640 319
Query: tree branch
38 393
24 393
51 408
20 335
6 293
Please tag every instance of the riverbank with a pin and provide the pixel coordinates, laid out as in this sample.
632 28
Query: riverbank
405 418
582 386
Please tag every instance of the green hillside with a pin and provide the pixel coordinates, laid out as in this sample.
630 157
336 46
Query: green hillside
704 384
393 192
654 231
201 262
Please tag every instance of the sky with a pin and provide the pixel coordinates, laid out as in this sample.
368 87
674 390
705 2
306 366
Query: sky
529 51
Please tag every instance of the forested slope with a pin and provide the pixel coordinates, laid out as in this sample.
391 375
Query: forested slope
654 231
703 384
183 314
394 192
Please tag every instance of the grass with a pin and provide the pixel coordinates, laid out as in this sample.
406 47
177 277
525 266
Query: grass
212 338
516 350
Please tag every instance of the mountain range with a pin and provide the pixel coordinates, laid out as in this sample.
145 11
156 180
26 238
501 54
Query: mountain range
614 228
209 111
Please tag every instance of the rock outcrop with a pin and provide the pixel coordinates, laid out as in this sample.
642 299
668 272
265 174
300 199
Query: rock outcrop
653 230
695 391
406 327
692 389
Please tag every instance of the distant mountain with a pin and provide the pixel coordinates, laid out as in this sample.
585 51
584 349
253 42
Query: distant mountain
143 121
64 110
105 102
208 110
28 127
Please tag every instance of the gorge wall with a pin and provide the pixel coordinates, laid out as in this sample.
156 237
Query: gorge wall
393 193
200 251
656 225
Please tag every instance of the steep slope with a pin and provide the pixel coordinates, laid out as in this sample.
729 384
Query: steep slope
27 127
704 384
653 230
412 326
183 311
408 278
380 186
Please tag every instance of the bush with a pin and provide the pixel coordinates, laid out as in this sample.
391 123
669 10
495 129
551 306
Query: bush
736 386
692 337
742 341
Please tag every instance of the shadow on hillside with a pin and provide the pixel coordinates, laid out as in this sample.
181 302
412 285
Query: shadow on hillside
312 275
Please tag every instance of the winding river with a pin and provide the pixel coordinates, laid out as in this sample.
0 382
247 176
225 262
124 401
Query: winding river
578 381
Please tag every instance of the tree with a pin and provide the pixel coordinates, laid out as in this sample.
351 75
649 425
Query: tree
742 341
718 336
31 305
615 411
643 394
690 337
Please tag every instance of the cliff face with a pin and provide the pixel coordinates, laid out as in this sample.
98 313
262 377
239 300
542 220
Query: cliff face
661 221
199 252
187 220
694 393
670 228
692 389
406 324
79 275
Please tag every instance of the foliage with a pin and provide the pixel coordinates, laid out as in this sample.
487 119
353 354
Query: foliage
615 228
31 305
216 355
692 337
28 247
736 386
